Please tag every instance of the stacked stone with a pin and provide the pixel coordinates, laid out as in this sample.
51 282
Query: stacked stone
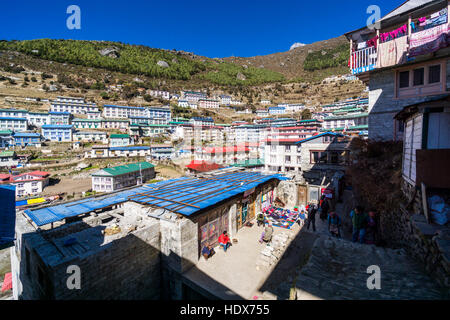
273 252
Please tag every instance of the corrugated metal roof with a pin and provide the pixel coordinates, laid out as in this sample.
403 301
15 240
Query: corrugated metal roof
198 193
116 171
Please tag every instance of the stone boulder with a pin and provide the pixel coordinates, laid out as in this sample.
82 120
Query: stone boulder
163 64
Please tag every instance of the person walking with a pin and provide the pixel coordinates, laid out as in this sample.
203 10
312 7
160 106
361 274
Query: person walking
359 223
371 236
334 224
312 210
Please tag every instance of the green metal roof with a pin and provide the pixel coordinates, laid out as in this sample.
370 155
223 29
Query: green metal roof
5 154
249 163
5 132
119 170
348 116
87 120
119 136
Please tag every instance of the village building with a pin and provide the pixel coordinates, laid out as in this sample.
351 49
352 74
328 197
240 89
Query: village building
149 130
14 124
87 123
404 62
90 136
193 96
60 118
6 138
72 105
208 103
225 100
8 159
250 133
116 178
94 115
160 94
202 121
13 113
59 133
130 151
265 102
97 151
223 155
120 140
426 145
27 184
183 103
38 119
161 151
262 113
24 139
277 110
164 225
122 124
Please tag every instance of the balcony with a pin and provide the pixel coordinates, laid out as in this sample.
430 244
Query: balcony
364 60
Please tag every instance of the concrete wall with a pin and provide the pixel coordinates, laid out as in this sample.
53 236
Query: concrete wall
125 268
383 105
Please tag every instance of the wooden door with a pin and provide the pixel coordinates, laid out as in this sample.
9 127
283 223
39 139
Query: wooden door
302 196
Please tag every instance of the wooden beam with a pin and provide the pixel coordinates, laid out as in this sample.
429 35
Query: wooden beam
425 202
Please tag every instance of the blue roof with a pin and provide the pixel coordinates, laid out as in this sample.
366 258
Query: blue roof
57 126
57 112
197 193
12 118
129 148
203 119
26 134
123 107
320 135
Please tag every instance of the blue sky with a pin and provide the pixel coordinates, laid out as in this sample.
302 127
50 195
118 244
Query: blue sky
214 28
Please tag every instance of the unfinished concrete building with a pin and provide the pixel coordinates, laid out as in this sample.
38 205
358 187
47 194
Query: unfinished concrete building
133 244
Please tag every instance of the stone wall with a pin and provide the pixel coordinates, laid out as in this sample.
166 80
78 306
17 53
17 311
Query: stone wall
427 243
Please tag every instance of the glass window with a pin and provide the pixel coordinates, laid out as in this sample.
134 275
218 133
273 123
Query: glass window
434 74
404 79
419 76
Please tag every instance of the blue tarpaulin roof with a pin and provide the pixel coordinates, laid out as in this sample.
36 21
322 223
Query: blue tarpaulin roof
7 214
184 195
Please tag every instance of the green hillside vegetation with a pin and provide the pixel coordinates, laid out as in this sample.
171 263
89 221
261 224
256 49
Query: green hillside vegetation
140 60
323 59
226 73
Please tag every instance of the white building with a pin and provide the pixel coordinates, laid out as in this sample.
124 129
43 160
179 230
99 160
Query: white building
30 183
14 124
38 119
208 103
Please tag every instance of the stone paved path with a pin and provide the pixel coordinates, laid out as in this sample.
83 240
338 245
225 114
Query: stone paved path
337 269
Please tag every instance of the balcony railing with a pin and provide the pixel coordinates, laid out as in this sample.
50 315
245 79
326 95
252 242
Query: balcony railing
363 60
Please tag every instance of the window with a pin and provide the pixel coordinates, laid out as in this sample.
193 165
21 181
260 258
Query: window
404 79
319 157
287 159
419 77
434 74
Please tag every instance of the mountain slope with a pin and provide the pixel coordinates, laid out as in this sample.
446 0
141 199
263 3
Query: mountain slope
302 63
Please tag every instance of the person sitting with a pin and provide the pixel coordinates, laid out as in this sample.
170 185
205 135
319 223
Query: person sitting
266 236
224 241
260 219
208 251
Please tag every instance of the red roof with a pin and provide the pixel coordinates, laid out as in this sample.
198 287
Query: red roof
37 175
230 149
7 282
203 166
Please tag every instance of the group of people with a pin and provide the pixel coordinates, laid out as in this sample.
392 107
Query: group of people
333 220
365 226
224 242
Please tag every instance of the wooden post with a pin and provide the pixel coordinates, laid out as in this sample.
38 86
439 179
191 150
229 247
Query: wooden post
409 32
351 54
425 202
